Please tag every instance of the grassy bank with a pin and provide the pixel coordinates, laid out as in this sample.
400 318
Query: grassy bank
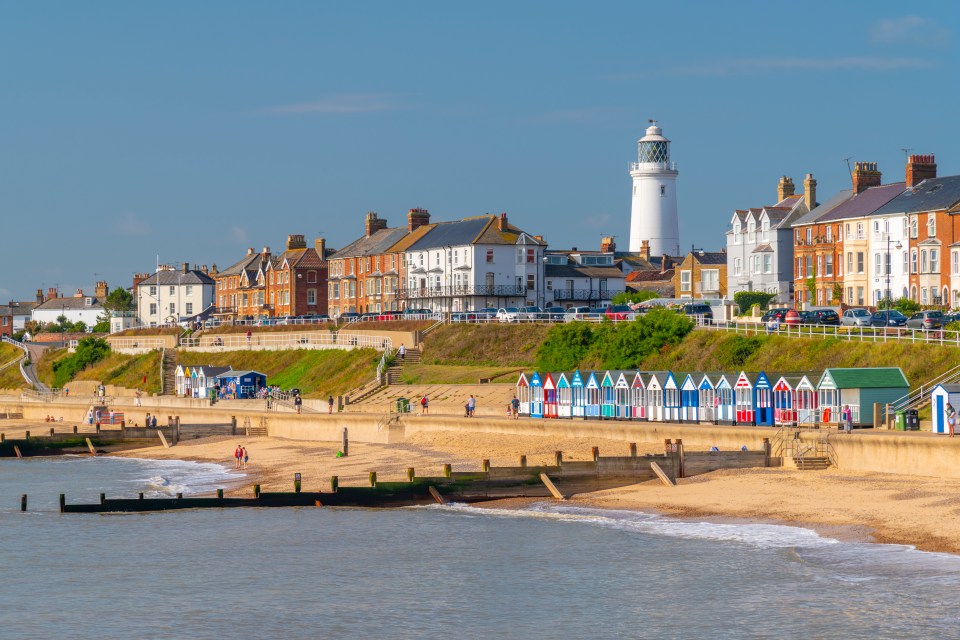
10 377
116 369
489 345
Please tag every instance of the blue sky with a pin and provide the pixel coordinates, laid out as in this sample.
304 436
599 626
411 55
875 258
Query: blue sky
195 130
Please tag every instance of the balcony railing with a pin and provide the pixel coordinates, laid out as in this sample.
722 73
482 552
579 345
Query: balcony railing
461 290
586 295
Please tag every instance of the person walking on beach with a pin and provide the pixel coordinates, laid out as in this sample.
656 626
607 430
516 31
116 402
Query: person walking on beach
424 406
951 418
846 415
515 405
330 404
471 406
243 451
236 456
298 402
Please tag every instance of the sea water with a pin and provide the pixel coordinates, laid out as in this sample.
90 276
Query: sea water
453 572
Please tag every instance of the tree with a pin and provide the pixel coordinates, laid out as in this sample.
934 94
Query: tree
837 292
119 300
746 299
812 284
634 296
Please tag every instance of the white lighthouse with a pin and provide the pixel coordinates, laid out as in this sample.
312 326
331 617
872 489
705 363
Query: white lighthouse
653 213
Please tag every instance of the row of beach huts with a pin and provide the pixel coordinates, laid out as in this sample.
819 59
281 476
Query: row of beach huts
744 398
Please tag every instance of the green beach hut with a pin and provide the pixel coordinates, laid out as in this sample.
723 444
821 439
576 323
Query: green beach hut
860 389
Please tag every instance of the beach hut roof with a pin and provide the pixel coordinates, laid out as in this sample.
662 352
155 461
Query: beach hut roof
706 382
576 379
949 388
562 381
240 374
866 378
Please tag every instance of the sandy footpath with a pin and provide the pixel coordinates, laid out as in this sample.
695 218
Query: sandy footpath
885 508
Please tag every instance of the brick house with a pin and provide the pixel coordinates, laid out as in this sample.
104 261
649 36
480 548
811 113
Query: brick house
6 320
701 275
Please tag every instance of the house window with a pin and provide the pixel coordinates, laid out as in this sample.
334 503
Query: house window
810 272
847 230
829 233
531 282
859 231
860 295
153 308
767 263
736 266
531 256
913 262
312 277
489 255
738 237
932 225
850 262
173 308
859 261
809 235
924 266
519 256
189 310
849 295
799 267
829 265
189 290
710 279
765 230
906 263
923 295
751 231
954 263
311 297
819 265
913 226
685 280
877 265
934 261
153 291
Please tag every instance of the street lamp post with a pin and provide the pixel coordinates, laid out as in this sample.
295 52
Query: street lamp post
888 266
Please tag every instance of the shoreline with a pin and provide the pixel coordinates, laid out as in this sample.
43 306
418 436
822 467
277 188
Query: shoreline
848 506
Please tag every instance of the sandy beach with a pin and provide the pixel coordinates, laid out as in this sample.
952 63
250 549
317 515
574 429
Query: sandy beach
911 510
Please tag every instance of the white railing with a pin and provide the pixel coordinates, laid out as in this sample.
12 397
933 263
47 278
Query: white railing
859 334
922 394
384 362
286 340
139 343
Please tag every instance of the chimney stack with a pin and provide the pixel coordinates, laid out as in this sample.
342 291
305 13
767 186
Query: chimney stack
52 293
39 296
417 218
321 245
185 267
101 290
78 294
865 175
664 261
607 245
920 168
137 279
810 191
296 241
249 251
785 188
645 250
213 269
374 223
502 222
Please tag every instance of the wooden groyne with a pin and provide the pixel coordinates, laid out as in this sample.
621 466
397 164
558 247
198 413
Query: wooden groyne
561 479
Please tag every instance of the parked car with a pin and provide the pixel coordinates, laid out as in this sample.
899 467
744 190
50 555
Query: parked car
575 313
620 312
779 314
463 316
530 313
487 313
807 317
416 313
888 318
855 318
348 316
508 314
698 309
824 317
926 320
553 314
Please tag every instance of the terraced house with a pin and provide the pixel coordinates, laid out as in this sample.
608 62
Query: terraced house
760 242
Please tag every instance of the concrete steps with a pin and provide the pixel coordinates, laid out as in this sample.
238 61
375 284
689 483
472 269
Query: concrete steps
812 463
170 362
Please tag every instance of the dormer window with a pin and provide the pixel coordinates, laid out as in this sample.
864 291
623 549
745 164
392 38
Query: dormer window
751 231
737 233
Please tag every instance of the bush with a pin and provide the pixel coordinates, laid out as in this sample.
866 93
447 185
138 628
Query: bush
734 352
565 347
906 306
89 351
746 299
634 296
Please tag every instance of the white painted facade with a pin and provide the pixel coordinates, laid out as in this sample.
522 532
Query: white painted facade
653 210
86 309
168 296
880 230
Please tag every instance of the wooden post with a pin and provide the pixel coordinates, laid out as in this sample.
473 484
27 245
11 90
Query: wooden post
552 487
27 437
141 495
660 474
668 446
633 449
256 491
485 465
447 471
334 483
63 502
93 451
596 453
16 450
74 428
344 443
876 415
523 461
23 502
411 474
680 471
163 439
233 425
296 482
3 436
97 428
436 495
220 493
103 498
373 478
51 431
766 452
558 458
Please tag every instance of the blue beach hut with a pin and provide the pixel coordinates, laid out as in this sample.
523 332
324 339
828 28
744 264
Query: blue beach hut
241 384
536 396
564 397
578 396
592 402
762 400
671 399
940 397
707 397
689 400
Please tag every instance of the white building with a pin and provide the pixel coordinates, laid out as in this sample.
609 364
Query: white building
471 264
170 296
582 278
79 308
653 212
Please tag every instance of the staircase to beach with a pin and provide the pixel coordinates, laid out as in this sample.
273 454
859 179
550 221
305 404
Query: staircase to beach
412 356
816 454
169 382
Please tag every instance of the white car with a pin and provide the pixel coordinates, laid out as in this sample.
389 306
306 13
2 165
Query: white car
575 313
509 314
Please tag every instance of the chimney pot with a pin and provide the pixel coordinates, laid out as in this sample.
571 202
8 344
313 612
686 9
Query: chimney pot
502 223
865 175
810 191
645 250
374 223
920 167
785 188
417 218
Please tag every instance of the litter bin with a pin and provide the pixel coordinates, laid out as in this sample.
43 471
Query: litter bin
403 405
911 420
899 421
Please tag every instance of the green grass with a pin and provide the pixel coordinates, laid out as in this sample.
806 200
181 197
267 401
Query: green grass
10 377
455 374
491 345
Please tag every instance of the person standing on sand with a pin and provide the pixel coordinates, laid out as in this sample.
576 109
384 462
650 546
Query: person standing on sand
330 405
846 416
245 457
298 401
951 418
137 395
471 406
424 406
236 456
515 405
